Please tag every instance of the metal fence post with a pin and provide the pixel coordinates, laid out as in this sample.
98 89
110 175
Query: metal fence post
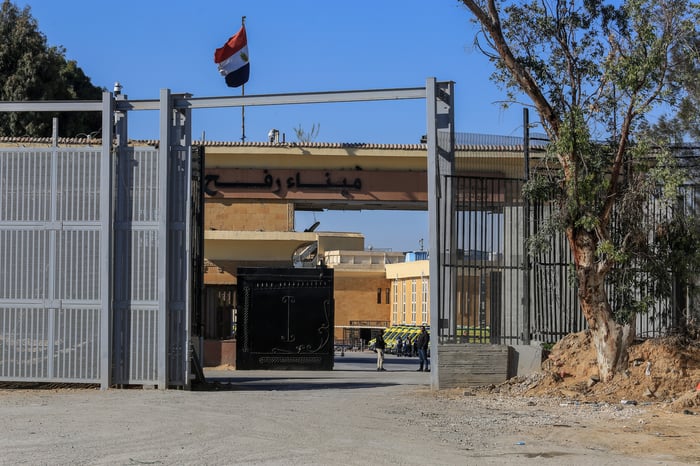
107 234
525 336
440 119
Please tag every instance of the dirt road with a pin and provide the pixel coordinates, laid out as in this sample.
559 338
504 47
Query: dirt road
352 415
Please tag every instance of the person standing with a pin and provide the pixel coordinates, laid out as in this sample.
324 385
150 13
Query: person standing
422 342
379 346
399 346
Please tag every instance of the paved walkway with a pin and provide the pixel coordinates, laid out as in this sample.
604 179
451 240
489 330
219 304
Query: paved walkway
354 369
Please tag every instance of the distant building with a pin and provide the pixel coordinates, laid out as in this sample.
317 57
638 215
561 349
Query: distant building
362 293
410 290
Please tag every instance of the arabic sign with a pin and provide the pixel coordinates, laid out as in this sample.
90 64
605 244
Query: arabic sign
242 183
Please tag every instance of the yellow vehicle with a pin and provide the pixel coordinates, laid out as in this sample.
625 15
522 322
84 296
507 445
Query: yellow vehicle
408 333
387 334
400 331
474 334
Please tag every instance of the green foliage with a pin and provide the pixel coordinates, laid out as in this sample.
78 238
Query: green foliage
602 59
30 69
668 262
676 255
654 245
594 72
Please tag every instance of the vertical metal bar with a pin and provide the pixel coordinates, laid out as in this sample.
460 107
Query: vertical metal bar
69 342
6 319
54 132
80 349
166 115
13 342
131 344
184 334
51 294
31 340
433 222
440 117
22 347
526 231
106 236
468 193
463 225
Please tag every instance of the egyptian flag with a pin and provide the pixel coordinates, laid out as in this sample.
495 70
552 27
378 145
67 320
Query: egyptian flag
232 59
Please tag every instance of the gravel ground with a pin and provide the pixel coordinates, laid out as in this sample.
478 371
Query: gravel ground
353 415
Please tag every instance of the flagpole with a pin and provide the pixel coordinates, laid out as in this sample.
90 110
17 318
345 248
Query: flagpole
242 94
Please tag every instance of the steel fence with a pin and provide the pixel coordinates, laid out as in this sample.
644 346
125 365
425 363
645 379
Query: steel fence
500 294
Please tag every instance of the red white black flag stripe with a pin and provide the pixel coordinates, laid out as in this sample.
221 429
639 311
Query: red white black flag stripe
232 59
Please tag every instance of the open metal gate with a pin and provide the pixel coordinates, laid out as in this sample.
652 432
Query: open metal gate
487 261
96 245
153 246
53 243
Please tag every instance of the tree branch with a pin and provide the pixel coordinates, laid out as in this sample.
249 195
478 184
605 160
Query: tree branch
491 22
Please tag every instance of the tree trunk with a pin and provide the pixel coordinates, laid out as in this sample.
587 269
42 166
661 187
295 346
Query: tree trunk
611 339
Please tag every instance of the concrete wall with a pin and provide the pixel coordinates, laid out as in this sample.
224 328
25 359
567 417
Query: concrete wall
219 352
471 365
526 359
227 215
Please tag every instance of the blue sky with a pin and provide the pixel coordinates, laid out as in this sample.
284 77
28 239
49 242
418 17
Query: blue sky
300 46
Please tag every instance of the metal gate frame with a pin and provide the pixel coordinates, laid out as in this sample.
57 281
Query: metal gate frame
50 334
153 234
153 347
133 347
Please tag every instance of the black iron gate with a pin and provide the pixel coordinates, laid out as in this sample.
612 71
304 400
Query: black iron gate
487 259
285 319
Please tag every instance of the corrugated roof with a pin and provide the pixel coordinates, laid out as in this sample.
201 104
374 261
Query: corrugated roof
318 145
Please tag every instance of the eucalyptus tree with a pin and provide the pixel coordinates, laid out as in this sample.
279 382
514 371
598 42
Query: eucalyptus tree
595 72
30 69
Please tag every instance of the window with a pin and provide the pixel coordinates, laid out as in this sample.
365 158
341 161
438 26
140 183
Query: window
379 296
403 302
388 296
424 301
395 304
413 301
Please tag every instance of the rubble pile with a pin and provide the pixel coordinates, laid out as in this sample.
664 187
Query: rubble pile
660 370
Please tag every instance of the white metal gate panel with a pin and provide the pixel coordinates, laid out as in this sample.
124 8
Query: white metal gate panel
51 237
142 290
136 247
179 265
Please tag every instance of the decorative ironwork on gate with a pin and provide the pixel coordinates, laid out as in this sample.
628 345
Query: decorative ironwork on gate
286 318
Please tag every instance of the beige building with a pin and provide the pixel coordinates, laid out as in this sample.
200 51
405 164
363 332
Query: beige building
410 291
362 292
